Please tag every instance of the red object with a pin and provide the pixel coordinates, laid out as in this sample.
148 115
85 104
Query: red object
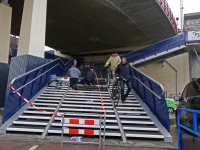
89 132
74 121
31 104
22 97
15 91
40 110
73 131
89 122
11 85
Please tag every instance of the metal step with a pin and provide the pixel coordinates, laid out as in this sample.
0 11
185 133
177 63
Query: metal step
82 106
52 95
84 99
86 104
82 91
89 96
46 101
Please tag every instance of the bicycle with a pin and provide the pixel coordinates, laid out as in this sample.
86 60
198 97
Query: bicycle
116 92
108 76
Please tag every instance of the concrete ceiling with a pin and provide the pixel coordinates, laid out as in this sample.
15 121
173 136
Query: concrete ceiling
76 26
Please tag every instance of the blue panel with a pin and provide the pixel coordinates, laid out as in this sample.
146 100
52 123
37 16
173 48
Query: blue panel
156 48
4 70
156 105
37 82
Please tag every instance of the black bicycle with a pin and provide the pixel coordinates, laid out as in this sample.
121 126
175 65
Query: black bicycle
116 92
108 76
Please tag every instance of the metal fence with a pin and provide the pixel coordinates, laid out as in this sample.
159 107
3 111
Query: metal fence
86 131
193 130
30 84
153 95
154 49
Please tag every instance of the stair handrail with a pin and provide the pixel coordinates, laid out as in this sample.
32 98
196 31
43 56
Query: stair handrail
153 95
181 126
20 76
156 48
13 80
32 81
148 88
163 91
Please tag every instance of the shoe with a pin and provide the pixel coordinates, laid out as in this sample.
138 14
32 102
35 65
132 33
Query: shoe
125 96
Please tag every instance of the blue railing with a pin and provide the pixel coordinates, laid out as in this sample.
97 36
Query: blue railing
156 48
152 94
193 130
30 83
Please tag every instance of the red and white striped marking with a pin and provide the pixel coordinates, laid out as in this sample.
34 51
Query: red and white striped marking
102 103
30 103
81 121
81 131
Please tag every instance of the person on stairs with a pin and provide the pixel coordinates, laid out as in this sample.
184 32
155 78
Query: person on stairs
89 77
74 74
114 60
125 73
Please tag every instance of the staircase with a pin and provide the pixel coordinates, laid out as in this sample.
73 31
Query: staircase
85 103
135 121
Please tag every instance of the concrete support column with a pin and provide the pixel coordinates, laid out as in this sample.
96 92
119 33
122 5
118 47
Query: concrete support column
5 25
33 28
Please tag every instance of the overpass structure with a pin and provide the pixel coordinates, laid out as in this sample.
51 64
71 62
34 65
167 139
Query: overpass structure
82 28
99 26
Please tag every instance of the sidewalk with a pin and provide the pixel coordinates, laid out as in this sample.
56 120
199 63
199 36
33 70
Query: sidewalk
31 142
12 145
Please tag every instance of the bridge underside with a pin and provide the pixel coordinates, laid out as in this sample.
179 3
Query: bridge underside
76 27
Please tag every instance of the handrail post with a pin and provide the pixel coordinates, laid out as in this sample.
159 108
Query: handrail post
179 129
195 121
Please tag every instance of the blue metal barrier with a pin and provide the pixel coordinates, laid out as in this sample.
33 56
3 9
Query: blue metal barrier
195 125
152 94
156 48
30 83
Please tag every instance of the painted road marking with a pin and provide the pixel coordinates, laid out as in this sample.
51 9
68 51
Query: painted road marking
33 147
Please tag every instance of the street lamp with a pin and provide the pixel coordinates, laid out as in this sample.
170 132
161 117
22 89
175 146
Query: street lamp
181 15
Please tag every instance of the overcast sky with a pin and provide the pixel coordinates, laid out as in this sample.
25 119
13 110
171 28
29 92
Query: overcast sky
189 6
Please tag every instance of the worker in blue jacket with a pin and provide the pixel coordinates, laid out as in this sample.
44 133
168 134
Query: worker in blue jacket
125 73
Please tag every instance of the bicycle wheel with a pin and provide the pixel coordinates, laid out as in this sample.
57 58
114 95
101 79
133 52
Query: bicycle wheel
108 78
115 95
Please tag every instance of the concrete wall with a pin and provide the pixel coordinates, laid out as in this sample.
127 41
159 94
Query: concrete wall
165 75
33 28
5 25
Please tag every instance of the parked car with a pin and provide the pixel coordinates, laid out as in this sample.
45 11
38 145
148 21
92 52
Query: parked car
190 98
171 105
